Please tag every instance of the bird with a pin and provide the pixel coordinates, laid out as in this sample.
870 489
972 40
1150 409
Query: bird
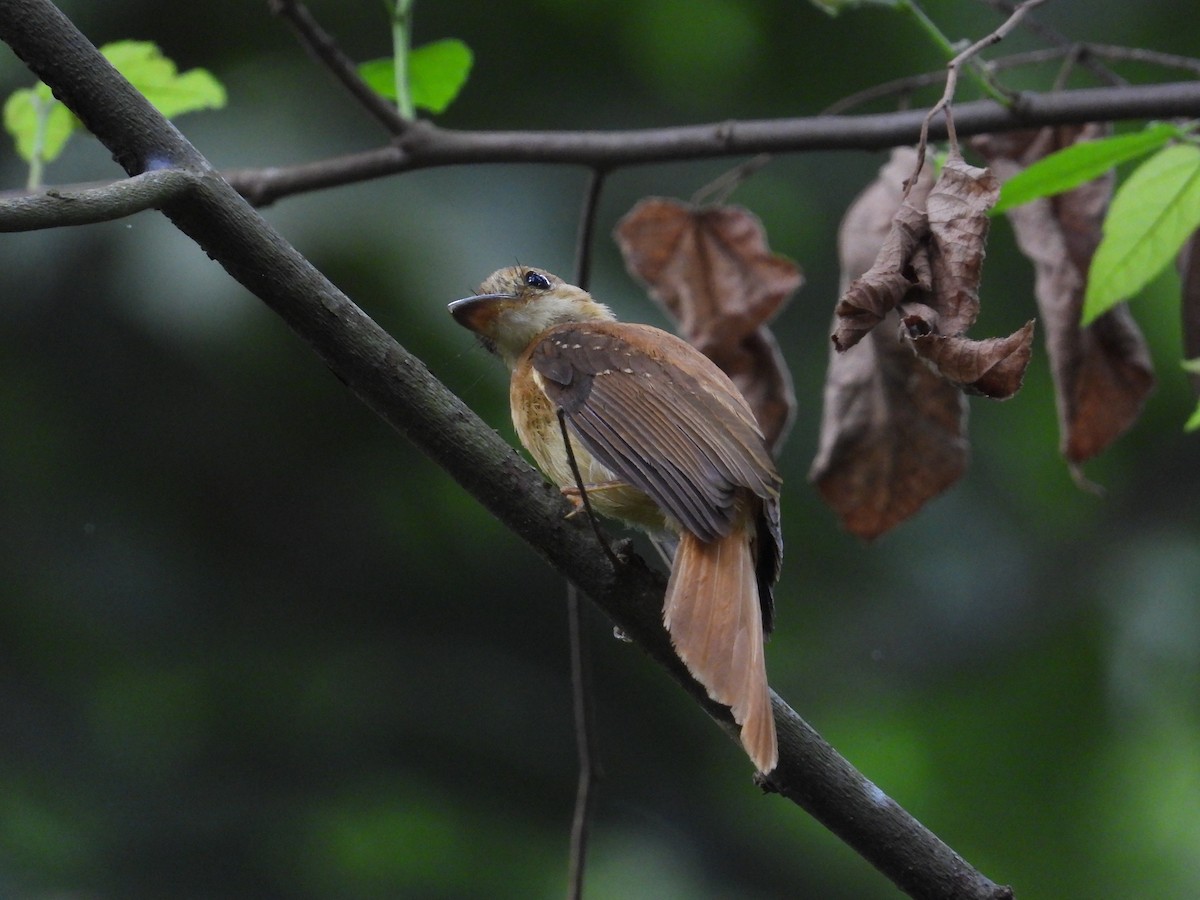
663 441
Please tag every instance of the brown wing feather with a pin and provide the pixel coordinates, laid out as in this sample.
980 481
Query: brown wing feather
685 438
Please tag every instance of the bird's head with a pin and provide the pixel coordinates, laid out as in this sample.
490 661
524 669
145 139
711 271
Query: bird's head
514 305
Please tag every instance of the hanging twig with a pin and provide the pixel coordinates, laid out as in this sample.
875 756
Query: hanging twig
952 69
581 684
585 745
587 227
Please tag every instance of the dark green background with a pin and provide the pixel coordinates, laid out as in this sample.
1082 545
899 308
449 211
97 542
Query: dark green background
254 645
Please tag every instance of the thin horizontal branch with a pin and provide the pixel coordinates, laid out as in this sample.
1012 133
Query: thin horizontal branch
426 145
399 388
56 207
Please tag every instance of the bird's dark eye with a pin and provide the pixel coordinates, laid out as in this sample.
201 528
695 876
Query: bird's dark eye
537 280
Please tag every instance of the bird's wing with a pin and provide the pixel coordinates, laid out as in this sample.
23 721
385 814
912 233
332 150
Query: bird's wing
661 416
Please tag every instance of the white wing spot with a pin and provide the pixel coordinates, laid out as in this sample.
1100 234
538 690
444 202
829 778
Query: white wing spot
627 371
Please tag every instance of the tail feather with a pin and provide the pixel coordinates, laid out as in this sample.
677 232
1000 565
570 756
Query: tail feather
713 615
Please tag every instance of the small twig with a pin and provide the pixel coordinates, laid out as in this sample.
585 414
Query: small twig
587 504
55 207
718 190
589 769
587 227
324 49
901 87
949 48
1054 36
952 70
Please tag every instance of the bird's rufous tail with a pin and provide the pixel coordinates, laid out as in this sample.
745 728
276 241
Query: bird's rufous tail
713 615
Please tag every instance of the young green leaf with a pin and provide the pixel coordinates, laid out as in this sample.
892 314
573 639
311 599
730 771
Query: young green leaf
437 73
39 124
1152 214
157 77
380 76
1193 422
1080 163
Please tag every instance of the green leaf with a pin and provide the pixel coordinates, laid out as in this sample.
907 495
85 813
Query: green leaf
437 73
380 76
1080 163
1152 214
1193 422
39 124
1191 366
159 80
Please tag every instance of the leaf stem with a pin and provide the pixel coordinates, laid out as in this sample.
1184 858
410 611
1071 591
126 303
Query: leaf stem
950 50
401 44
37 162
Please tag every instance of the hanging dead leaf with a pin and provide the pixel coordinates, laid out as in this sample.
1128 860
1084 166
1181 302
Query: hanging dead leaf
877 292
892 431
1102 373
709 266
958 226
758 369
893 435
711 269
994 367
1189 276
868 220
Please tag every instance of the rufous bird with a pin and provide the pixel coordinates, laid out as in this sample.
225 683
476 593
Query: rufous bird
663 441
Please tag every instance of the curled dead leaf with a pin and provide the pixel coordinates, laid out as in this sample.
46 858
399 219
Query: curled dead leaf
892 430
711 269
878 290
993 367
958 226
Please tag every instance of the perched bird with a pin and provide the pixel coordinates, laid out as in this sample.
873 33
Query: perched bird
663 441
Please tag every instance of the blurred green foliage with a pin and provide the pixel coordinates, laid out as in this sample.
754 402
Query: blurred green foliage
254 645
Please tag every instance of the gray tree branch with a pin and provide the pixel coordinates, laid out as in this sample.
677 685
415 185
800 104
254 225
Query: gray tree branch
425 145
79 205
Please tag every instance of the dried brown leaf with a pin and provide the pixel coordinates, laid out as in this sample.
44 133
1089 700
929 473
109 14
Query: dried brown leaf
892 435
958 226
711 269
1102 373
709 266
878 291
993 367
876 244
868 220
761 374
892 431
